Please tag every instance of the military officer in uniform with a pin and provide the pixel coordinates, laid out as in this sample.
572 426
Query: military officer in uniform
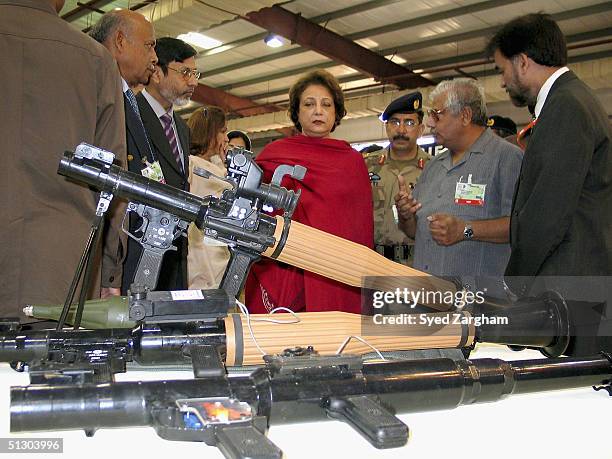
403 120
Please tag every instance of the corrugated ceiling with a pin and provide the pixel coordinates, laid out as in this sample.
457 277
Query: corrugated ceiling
444 38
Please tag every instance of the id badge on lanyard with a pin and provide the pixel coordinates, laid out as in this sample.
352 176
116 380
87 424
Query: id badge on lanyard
469 194
153 171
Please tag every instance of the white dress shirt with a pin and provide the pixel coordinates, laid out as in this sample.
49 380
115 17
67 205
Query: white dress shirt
160 111
545 89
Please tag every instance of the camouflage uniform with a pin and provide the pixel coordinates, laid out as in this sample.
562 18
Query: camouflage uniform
390 241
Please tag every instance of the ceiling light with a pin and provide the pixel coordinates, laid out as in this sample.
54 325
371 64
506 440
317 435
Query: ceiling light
199 40
367 43
273 41
396 59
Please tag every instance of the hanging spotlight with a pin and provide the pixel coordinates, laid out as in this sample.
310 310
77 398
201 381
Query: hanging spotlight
273 41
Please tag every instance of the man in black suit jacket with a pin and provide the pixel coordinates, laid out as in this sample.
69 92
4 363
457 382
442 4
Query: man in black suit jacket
130 38
561 221
172 84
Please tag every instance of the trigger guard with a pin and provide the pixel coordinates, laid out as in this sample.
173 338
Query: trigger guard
140 229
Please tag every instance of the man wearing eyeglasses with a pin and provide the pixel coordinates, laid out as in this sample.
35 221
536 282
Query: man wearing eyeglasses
459 211
172 84
130 38
403 120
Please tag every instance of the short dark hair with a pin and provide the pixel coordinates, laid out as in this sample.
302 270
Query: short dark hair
243 135
537 35
170 49
316 77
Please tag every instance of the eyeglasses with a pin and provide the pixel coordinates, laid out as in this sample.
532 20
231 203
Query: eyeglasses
188 73
435 113
408 122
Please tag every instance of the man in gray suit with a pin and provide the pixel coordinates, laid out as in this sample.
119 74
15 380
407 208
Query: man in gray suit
561 221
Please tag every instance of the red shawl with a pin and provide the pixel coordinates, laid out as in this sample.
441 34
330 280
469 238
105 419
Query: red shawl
336 198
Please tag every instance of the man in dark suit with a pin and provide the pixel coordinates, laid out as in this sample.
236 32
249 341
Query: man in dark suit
130 38
561 221
172 84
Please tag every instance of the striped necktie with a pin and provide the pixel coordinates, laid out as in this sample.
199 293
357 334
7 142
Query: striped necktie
166 120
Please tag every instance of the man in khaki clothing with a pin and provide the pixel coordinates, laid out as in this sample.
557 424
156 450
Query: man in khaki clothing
403 120
59 88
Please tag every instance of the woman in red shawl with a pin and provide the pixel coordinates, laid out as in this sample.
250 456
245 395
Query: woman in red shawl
336 198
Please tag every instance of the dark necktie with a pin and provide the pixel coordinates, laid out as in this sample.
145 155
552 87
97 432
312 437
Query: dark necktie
167 123
129 95
132 100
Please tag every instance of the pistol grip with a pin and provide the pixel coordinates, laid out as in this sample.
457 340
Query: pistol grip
206 361
149 265
246 442
368 417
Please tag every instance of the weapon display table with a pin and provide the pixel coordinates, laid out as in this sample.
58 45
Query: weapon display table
560 424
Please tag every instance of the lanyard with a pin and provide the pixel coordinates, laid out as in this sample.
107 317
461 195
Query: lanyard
521 135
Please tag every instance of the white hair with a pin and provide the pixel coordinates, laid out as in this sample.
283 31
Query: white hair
461 93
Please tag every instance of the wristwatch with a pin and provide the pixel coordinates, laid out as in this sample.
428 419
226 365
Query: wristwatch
468 232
